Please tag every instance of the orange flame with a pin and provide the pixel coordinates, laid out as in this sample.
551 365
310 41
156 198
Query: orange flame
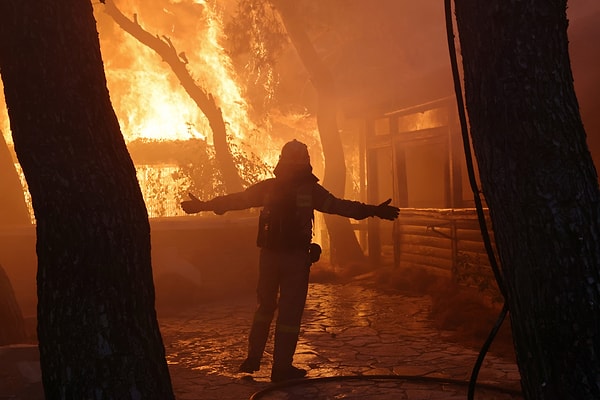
150 103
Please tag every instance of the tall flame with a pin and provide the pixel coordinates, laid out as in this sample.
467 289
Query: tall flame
150 102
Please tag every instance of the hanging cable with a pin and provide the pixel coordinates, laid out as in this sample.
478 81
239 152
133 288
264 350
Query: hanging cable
467 149
476 195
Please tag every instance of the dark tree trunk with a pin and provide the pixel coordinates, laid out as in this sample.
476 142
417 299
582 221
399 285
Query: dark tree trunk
541 186
12 324
97 327
205 101
343 241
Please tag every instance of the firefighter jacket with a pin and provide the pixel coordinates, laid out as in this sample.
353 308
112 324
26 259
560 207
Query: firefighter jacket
286 217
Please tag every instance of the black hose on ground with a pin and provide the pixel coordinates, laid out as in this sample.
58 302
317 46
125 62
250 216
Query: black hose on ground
411 378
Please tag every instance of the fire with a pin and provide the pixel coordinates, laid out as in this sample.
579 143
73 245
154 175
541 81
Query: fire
163 114
221 79
148 99
4 122
151 104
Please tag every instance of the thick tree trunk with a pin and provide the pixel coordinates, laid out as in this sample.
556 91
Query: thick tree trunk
205 101
97 327
541 186
343 241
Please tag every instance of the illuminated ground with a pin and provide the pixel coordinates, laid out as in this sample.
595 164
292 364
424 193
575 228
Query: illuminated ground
349 330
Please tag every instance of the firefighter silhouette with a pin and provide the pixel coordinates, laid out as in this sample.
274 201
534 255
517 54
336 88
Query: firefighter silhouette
284 236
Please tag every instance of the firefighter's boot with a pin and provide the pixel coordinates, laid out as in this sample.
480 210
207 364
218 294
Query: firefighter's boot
259 333
283 355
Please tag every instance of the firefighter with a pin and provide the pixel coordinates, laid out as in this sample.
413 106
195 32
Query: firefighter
285 232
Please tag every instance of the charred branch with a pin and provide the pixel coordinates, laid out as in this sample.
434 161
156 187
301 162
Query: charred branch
204 100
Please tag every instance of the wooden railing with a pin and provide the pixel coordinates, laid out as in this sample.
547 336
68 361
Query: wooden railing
447 242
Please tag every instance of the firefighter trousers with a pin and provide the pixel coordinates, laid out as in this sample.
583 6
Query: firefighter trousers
283 286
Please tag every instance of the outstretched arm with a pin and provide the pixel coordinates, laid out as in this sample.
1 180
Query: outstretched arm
195 205
328 203
385 211
251 197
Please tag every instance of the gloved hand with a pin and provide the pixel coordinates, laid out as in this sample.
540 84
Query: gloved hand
385 211
194 205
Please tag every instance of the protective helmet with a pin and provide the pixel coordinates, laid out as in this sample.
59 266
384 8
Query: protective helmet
294 152
294 160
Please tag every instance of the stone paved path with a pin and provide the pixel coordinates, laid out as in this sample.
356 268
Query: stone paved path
356 343
349 330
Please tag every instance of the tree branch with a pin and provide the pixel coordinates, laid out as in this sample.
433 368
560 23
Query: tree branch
204 100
